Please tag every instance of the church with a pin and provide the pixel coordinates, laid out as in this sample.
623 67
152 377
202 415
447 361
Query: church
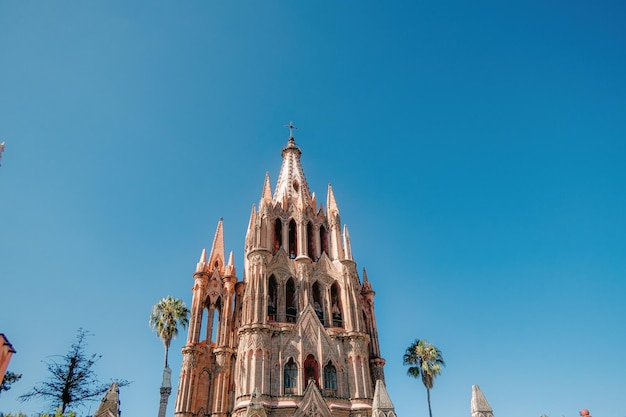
297 335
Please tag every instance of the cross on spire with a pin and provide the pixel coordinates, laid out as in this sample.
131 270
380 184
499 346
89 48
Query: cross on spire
291 127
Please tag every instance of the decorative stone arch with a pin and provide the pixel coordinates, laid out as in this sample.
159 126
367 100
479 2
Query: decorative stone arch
291 301
205 387
317 293
311 370
336 305
277 241
272 298
240 372
250 372
293 239
258 365
324 240
214 315
310 239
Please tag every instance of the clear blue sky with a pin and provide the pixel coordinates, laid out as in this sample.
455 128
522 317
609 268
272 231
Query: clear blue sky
476 149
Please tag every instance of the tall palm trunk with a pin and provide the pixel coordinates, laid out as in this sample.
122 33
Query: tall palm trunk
430 412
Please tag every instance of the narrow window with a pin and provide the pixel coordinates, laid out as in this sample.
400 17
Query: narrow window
335 299
317 302
290 377
263 237
217 308
271 298
365 321
293 244
310 240
311 371
330 379
290 301
323 240
278 235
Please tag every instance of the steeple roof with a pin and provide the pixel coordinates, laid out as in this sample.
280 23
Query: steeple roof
480 406
331 202
217 250
266 197
110 404
366 286
381 400
291 185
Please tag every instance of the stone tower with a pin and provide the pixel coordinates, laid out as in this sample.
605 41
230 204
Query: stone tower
297 336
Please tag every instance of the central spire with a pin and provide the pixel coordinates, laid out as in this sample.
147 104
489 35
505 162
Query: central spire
291 186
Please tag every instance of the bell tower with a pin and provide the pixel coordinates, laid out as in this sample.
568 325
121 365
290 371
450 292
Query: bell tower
297 336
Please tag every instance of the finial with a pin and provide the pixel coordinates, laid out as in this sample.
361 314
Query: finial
291 128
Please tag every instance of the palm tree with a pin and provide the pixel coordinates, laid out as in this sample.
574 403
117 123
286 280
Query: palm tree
425 360
166 316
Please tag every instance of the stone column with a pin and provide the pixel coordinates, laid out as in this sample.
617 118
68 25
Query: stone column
166 390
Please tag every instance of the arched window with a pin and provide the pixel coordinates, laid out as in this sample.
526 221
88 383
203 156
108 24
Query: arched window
213 320
335 302
290 377
216 321
293 235
291 301
323 240
271 298
310 240
317 302
278 236
330 379
311 370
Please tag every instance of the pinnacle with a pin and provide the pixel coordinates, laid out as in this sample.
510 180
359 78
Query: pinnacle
216 259
479 402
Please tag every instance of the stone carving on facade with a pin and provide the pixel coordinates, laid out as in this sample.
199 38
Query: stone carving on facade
256 260
214 292
303 269
312 411
255 407
312 404
255 341
221 360
190 358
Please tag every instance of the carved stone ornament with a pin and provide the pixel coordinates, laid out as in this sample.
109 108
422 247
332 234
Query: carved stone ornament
256 260
312 411
220 360
190 358
304 269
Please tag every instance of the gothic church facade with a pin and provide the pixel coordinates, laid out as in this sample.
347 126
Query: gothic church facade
297 336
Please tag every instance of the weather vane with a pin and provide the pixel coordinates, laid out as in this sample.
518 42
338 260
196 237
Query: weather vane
291 128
